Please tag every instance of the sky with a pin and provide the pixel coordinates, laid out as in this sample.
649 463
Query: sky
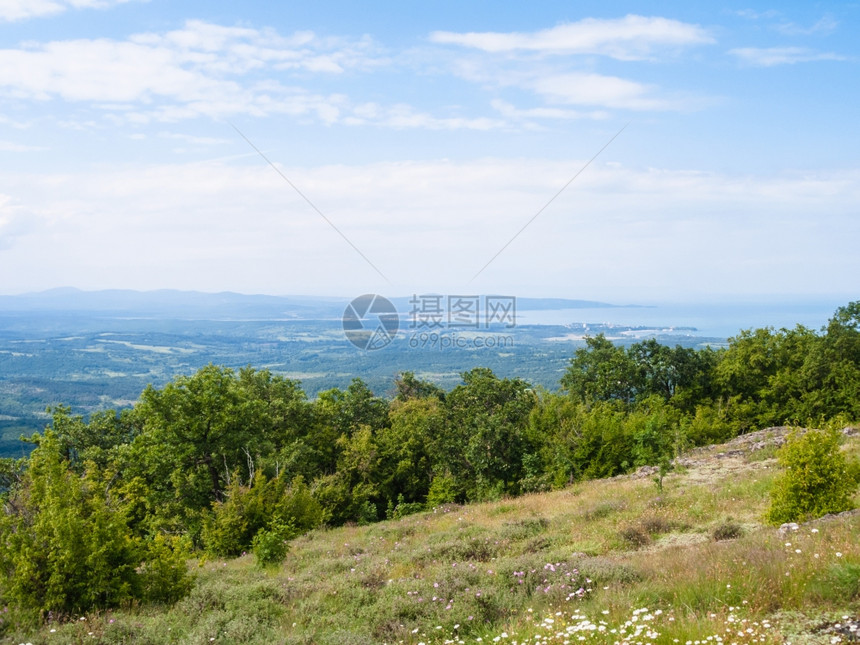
613 151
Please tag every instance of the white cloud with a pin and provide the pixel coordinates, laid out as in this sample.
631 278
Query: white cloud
596 89
432 225
210 70
12 10
506 109
402 116
14 222
825 25
202 69
193 140
771 56
570 78
751 14
629 38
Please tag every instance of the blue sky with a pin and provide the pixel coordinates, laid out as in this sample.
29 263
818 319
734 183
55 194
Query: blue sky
429 134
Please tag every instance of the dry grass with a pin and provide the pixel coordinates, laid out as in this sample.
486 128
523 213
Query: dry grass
505 567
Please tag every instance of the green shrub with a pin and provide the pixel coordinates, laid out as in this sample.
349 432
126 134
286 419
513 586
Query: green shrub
164 572
443 490
271 544
232 524
815 481
853 470
655 525
67 548
602 510
402 508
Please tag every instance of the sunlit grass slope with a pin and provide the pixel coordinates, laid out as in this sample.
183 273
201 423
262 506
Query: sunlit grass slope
604 561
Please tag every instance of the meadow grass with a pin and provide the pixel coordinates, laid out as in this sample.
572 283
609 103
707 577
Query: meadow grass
552 567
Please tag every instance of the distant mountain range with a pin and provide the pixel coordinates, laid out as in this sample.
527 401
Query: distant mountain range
169 303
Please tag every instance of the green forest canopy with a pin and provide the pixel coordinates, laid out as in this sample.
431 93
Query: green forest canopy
216 460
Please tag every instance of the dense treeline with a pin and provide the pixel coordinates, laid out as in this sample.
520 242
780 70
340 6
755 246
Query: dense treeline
221 462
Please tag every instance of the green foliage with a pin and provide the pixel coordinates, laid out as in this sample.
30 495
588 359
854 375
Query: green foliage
409 387
410 448
852 470
443 490
163 572
230 528
486 435
11 472
227 461
195 426
655 430
402 508
601 371
815 481
271 544
706 426
67 547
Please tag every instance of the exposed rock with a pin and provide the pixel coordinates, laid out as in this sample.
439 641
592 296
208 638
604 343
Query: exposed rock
644 471
788 527
848 629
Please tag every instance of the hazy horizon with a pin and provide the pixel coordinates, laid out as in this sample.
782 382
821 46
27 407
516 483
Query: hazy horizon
320 149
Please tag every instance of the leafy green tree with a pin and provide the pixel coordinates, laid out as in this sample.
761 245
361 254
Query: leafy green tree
555 430
277 406
655 430
681 375
11 472
831 371
340 413
352 492
602 371
487 433
197 430
94 439
409 449
407 386
758 376
604 446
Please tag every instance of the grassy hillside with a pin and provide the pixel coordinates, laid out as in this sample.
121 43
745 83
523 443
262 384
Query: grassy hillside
604 561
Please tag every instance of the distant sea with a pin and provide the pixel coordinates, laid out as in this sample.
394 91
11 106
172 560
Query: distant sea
714 320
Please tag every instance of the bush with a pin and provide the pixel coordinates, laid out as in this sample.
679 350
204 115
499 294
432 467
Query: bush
402 508
815 481
728 530
635 536
654 525
164 573
68 548
853 470
443 490
232 524
271 544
